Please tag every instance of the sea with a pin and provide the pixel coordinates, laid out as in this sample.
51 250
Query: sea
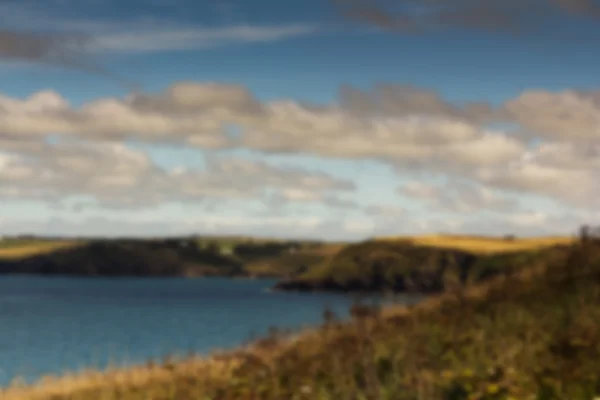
57 325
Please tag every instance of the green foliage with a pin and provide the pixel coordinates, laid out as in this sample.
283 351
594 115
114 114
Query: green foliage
520 339
187 256
402 266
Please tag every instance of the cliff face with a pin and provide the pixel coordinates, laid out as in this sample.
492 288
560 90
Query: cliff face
403 267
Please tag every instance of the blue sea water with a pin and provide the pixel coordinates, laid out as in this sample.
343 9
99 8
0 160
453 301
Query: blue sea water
57 325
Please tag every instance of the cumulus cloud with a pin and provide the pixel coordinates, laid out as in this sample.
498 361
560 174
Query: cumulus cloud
458 197
201 114
385 211
397 100
578 187
567 115
530 223
415 131
411 140
136 227
116 175
193 113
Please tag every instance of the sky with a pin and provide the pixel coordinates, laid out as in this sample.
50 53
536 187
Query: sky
326 119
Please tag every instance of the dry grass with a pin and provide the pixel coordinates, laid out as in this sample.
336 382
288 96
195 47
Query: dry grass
16 250
137 376
532 335
217 368
494 344
483 244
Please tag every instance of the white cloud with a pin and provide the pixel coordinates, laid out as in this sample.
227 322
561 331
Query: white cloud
458 197
420 190
385 211
156 39
116 175
568 115
139 35
415 132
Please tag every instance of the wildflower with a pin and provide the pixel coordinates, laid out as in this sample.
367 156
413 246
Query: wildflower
447 375
493 388
468 372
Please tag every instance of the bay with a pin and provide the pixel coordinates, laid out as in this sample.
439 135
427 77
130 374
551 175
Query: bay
53 325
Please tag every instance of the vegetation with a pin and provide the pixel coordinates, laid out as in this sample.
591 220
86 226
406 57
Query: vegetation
292 263
532 334
422 265
158 257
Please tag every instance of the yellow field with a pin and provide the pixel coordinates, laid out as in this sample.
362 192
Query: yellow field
482 244
18 250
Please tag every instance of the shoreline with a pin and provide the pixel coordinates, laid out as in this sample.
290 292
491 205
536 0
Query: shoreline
221 361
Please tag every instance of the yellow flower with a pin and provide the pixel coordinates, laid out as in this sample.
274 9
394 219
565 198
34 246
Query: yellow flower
468 372
493 388
447 374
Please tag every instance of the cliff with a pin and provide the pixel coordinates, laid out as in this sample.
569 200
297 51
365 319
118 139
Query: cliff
401 266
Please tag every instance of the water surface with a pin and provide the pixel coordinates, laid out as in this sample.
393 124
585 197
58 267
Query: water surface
53 325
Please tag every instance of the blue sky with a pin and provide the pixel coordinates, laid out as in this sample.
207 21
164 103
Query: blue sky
309 162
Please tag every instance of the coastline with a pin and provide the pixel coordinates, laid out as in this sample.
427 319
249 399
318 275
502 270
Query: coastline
495 314
221 362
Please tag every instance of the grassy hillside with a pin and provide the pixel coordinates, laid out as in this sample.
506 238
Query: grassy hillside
293 263
422 264
426 264
534 335
159 257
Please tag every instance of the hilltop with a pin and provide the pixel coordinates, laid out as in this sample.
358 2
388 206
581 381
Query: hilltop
188 256
423 264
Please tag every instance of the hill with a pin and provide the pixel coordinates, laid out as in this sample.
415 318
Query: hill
189 257
530 335
422 264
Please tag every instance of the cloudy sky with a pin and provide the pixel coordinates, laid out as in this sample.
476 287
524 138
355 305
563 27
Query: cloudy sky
333 119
